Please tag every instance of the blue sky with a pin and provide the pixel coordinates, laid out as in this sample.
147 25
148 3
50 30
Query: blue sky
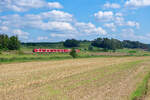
57 20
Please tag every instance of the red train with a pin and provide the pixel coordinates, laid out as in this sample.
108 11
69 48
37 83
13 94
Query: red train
53 50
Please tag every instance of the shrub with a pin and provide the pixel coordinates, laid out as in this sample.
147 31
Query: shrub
73 53
132 52
90 48
145 54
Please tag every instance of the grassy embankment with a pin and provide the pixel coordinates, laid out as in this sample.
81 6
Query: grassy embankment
142 89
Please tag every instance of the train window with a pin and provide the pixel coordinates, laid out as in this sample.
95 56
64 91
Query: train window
43 50
47 50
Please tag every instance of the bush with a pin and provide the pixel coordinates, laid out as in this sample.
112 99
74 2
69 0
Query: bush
132 52
90 48
145 54
73 53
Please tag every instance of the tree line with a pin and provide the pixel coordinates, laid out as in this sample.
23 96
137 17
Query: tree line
107 44
12 43
9 43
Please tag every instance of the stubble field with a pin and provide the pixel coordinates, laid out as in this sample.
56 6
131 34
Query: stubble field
111 78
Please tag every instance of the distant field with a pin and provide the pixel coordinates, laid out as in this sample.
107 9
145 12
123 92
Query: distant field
111 78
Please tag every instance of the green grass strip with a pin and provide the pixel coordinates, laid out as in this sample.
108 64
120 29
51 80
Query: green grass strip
46 58
141 89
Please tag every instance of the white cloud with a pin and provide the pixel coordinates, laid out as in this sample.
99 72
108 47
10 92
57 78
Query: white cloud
104 16
137 3
57 15
111 26
119 14
129 34
12 21
109 16
133 24
52 26
28 3
119 21
113 5
40 38
89 28
81 29
21 33
4 29
25 5
54 15
55 5
60 24
62 35
10 31
56 20
115 19
33 17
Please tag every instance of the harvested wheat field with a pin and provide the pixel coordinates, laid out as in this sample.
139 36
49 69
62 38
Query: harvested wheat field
113 78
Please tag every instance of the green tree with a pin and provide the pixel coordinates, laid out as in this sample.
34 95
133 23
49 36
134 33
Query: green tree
73 53
107 44
115 44
0 51
71 43
97 42
4 39
14 43
1 46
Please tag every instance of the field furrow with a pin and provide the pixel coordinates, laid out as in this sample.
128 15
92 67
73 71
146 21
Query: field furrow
113 78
